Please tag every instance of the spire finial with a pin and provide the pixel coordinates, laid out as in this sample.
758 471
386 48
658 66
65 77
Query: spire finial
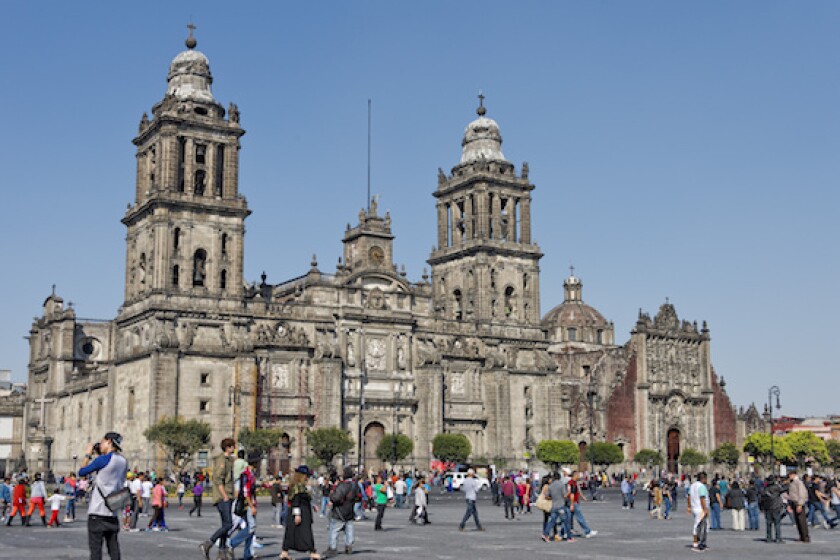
572 269
667 300
481 111
191 42
53 289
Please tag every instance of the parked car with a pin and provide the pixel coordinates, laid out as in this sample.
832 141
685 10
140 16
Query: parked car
459 477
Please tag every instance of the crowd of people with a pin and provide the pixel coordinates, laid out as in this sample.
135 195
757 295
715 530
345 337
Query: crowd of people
117 498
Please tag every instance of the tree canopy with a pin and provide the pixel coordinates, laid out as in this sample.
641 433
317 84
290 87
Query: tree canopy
180 439
556 452
807 447
386 449
757 444
692 458
605 453
832 447
648 457
326 443
260 441
726 454
454 448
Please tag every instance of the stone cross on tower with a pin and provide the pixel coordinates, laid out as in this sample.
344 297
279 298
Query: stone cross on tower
43 416
481 110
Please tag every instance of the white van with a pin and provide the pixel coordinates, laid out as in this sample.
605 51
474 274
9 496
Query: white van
459 477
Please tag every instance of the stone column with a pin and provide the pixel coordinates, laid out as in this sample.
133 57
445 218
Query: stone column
442 226
496 216
482 222
210 170
525 222
189 166
512 207
469 217
456 217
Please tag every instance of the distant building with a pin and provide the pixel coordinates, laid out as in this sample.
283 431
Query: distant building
463 349
12 398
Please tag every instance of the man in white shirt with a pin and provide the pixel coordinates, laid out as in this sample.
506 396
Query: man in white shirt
147 494
698 506
400 488
135 486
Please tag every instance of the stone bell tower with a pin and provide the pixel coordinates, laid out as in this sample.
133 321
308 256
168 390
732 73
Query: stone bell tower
485 267
186 226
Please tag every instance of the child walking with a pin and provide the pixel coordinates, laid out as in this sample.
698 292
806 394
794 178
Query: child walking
55 506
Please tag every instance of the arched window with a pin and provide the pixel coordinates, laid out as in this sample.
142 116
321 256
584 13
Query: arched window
599 336
224 243
176 276
571 334
200 182
459 310
176 238
509 302
199 268
223 279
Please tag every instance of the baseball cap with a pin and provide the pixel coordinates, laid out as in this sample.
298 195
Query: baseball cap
114 438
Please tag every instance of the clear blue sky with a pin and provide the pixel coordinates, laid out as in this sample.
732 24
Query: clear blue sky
687 150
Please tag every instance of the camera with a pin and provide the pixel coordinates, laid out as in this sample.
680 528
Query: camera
96 449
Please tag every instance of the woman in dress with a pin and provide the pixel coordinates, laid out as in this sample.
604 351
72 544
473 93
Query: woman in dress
299 530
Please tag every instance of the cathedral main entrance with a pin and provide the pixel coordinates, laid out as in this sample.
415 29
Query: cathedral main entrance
673 450
374 433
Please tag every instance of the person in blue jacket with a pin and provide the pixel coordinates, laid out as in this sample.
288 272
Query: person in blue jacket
110 467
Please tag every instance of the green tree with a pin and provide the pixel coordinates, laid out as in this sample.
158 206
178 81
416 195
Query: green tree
386 449
326 443
454 448
692 458
260 441
757 444
181 439
648 457
832 446
807 447
556 452
726 454
605 453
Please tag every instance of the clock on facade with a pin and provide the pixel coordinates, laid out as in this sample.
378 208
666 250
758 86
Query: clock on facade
377 255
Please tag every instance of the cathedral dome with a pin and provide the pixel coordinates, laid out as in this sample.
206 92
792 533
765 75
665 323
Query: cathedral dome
482 139
189 76
575 324
574 314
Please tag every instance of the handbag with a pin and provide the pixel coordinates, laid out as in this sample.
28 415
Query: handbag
115 501
543 503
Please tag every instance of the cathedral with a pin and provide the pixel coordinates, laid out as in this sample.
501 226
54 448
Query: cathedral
464 349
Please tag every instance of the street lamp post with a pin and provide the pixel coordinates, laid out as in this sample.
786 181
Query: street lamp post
772 392
592 398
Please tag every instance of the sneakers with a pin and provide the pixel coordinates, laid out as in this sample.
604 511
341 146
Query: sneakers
348 549
590 534
205 549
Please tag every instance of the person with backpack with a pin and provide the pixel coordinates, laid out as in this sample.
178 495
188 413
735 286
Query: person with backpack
343 498
110 468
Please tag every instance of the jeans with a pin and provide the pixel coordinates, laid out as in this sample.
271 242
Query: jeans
715 516
399 501
813 508
508 506
135 512
102 528
337 525
577 514
325 500
380 513
196 505
752 512
561 516
246 535
471 512
277 514
773 521
227 523
702 533
667 502
70 512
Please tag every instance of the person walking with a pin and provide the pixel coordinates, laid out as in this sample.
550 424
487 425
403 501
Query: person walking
380 495
110 468
470 488
772 504
70 492
182 489
5 498
276 492
223 496
158 500
752 505
817 498
736 499
135 486
247 500
557 493
343 498
38 493
575 499
420 511
18 502
198 492
716 505
625 493
298 535
657 502
698 506
55 507
797 501
400 491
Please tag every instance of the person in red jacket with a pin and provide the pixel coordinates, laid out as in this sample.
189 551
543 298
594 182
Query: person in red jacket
18 502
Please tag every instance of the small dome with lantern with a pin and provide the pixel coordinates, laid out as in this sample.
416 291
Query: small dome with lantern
575 325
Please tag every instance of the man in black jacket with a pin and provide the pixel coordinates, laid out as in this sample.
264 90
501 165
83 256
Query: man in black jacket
772 505
343 498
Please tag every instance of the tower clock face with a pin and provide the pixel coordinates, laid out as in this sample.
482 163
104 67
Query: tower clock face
377 255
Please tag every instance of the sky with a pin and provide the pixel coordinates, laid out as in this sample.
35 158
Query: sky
686 150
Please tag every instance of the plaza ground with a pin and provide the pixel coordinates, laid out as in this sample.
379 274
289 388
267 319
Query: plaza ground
621 534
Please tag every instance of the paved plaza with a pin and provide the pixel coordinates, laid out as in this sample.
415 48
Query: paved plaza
621 534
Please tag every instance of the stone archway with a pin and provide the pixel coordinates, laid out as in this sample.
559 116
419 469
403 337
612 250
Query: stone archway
374 433
673 450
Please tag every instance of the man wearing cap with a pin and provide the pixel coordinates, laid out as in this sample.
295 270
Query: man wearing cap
343 497
110 468
470 488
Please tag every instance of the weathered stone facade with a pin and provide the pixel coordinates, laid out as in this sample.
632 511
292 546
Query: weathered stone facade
364 348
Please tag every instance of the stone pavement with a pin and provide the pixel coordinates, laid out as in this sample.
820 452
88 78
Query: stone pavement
621 534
